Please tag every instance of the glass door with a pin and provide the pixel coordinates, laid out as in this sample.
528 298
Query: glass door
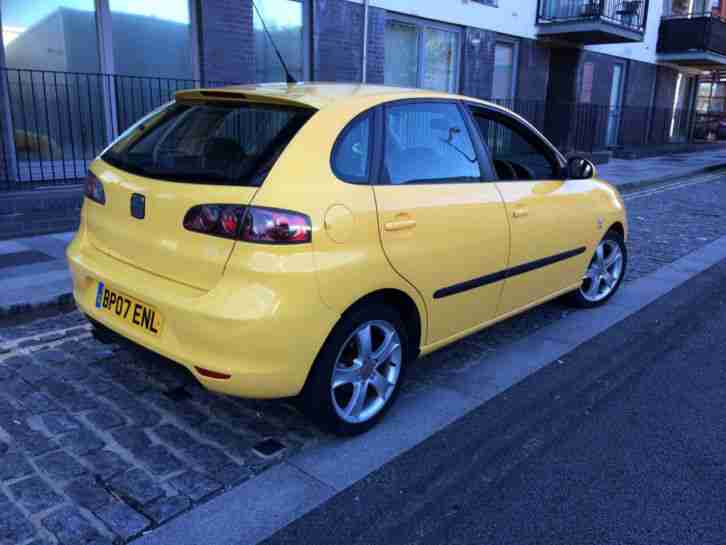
614 107
440 48
503 84
421 54
401 64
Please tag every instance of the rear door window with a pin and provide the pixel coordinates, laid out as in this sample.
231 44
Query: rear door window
218 144
428 143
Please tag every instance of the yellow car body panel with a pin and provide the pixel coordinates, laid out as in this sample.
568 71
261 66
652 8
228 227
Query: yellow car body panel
261 313
416 224
261 323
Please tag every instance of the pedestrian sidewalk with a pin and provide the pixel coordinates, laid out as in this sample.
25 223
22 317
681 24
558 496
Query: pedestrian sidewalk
36 274
630 173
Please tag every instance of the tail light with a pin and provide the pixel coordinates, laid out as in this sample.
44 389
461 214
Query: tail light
249 223
93 189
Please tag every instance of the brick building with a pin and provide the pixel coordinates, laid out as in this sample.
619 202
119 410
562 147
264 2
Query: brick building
77 72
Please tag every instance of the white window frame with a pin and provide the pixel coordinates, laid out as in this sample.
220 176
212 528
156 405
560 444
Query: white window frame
421 25
514 42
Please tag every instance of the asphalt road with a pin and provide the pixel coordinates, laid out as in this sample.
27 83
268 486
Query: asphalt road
623 441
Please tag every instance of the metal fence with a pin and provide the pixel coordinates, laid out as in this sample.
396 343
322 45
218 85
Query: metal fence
55 123
579 127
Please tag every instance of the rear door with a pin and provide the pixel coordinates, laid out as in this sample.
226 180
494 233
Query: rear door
442 227
188 155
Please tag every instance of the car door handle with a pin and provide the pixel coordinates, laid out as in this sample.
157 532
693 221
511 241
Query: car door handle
520 212
399 225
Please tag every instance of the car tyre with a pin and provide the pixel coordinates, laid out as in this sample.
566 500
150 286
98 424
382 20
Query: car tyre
357 375
604 274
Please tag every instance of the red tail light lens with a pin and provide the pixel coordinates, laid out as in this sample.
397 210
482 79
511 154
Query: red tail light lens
250 224
93 189
220 220
273 226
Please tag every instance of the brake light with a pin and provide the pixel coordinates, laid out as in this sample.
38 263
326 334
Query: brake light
93 189
250 224
269 225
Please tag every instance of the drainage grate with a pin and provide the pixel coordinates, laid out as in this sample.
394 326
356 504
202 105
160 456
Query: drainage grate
269 447
178 394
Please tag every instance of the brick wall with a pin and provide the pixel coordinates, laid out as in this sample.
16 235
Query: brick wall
637 99
376 45
477 67
337 40
533 70
603 75
226 40
562 90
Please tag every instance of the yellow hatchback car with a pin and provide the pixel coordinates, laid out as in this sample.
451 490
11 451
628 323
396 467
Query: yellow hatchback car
311 240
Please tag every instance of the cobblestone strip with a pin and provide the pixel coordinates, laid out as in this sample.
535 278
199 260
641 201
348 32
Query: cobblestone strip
99 444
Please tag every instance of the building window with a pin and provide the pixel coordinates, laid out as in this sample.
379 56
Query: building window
53 35
81 71
152 38
285 20
421 54
505 55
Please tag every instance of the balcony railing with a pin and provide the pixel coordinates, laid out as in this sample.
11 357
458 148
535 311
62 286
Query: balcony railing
693 39
593 21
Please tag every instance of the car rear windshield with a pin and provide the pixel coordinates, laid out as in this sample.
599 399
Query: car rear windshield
210 143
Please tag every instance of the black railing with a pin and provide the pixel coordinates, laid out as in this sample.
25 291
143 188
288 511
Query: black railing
592 127
692 32
57 122
631 14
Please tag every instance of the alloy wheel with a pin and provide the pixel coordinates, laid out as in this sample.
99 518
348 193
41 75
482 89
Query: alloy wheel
366 371
604 272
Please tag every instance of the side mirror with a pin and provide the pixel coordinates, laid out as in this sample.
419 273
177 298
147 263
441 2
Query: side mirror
579 168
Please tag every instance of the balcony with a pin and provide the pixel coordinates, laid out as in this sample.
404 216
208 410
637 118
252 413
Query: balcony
592 21
693 40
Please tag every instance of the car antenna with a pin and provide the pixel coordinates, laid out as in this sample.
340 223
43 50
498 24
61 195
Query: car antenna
288 76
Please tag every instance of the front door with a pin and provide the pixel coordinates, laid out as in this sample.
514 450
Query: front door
443 229
548 224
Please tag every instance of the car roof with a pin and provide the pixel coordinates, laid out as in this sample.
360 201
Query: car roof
316 95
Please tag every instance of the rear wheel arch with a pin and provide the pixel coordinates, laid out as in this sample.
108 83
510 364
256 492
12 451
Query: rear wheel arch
406 308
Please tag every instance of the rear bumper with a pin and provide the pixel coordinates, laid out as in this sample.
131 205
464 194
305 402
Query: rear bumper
264 335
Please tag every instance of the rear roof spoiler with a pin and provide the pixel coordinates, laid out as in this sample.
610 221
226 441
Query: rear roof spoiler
223 95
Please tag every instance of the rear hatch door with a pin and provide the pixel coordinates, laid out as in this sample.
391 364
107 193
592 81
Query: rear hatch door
192 153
